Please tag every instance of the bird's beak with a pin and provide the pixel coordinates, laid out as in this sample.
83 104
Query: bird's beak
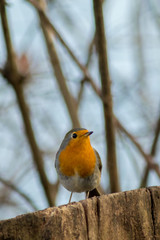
88 133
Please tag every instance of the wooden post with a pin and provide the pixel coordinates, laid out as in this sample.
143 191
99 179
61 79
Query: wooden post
119 216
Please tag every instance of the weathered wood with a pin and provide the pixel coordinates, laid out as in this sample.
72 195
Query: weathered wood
126 215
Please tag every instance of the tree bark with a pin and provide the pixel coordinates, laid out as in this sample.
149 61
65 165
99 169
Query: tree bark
119 216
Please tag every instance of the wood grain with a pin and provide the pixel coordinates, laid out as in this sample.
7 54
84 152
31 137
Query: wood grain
120 216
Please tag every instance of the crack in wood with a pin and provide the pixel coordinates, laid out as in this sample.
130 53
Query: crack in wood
98 215
152 212
86 214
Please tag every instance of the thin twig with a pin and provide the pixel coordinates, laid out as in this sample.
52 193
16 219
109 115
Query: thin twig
106 96
19 192
148 158
69 99
75 59
86 80
155 140
81 91
90 50
152 153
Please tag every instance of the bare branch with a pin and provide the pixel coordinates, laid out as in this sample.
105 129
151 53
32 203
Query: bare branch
14 77
7 37
19 192
75 59
69 100
81 91
155 140
90 50
152 153
148 158
10 52
86 80
33 144
106 96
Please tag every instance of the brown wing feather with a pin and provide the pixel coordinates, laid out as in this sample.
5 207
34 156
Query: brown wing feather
99 160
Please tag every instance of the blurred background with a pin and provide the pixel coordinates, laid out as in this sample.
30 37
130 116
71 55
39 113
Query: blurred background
37 110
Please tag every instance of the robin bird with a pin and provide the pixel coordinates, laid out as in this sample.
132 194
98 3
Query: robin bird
78 164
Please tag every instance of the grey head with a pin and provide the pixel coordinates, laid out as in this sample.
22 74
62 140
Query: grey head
68 137
65 142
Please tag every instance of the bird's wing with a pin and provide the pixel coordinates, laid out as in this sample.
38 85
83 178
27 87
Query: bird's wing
98 160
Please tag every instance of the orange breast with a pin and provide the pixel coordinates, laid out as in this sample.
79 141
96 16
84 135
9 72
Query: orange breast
79 158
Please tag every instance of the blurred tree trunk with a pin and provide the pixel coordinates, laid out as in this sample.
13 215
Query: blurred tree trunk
126 215
106 96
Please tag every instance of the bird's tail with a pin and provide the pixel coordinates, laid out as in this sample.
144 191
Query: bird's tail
93 193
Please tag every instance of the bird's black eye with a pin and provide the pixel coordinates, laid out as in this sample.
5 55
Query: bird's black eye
74 135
